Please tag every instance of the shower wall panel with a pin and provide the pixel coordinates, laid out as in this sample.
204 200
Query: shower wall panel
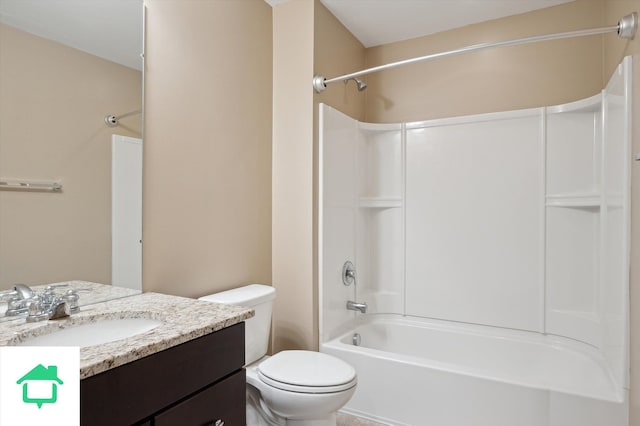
474 222
337 215
616 220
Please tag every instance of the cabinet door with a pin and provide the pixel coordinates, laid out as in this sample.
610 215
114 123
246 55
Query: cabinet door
222 404
138 390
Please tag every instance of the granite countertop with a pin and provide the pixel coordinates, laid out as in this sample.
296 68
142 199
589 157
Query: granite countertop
182 320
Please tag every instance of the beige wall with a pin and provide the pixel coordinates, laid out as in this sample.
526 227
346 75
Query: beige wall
614 51
53 100
207 155
490 80
294 319
307 39
336 52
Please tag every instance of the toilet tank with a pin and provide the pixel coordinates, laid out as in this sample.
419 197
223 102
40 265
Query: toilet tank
259 297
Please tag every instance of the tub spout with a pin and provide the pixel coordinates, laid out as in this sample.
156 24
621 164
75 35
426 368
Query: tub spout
355 306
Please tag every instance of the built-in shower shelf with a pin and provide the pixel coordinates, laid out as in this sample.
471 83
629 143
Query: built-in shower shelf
380 203
574 200
379 127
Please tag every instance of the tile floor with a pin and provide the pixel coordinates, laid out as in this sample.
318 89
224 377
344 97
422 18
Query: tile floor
348 420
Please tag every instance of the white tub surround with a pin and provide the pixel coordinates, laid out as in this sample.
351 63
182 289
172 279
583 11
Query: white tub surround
517 221
182 320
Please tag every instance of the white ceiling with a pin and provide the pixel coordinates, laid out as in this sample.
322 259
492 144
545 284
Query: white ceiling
376 22
112 29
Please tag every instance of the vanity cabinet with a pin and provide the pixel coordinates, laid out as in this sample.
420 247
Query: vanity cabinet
200 382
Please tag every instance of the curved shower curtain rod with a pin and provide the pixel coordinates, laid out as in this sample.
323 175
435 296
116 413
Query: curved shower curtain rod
626 28
112 120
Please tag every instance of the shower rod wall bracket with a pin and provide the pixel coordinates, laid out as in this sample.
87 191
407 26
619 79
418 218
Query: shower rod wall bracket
319 83
626 28
111 120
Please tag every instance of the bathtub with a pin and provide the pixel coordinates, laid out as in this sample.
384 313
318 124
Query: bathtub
421 372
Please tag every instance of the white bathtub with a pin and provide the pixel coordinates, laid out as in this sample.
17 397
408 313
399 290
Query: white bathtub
420 372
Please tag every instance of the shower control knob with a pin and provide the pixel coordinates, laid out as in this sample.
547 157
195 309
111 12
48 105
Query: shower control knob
348 273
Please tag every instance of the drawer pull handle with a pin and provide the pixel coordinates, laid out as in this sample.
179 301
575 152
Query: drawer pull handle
218 422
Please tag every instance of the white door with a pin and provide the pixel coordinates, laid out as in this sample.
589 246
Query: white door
126 212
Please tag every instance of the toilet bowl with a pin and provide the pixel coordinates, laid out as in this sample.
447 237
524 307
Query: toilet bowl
303 385
292 388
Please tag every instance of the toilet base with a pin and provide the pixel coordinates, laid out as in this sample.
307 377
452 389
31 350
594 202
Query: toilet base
260 415
329 421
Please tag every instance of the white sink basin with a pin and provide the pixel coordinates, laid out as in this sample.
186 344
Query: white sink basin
94 333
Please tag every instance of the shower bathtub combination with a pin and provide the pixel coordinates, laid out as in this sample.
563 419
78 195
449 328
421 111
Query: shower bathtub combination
414 371
492 254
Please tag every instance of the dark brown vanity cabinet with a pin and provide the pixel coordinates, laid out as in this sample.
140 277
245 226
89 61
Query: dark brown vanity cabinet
200 382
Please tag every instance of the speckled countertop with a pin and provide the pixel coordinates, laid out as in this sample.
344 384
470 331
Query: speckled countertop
182 320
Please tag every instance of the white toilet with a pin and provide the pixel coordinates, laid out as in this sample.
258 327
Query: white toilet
293 388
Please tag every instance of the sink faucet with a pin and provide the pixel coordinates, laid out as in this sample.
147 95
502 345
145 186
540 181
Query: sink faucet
41 306
355 306
55 309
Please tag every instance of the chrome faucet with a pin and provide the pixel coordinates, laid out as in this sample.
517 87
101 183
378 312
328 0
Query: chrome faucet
55 309
40 306
355 306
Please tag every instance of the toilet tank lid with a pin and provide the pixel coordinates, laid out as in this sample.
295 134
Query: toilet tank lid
249 295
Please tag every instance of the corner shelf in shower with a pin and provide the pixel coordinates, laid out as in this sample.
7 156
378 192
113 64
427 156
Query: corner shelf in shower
380 202
585 199
379 127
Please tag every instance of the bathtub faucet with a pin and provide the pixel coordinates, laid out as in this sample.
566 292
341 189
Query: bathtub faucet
354 306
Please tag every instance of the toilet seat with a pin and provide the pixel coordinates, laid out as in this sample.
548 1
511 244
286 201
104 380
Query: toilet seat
307 372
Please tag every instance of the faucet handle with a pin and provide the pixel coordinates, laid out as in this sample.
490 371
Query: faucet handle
52 287
348 273
71 297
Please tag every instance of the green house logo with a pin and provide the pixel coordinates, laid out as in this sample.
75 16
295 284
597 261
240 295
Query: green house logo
40 377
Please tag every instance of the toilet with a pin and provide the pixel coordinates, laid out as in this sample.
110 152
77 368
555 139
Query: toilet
292 388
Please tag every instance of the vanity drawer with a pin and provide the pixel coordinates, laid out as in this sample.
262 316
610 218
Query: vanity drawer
220 404
136 391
